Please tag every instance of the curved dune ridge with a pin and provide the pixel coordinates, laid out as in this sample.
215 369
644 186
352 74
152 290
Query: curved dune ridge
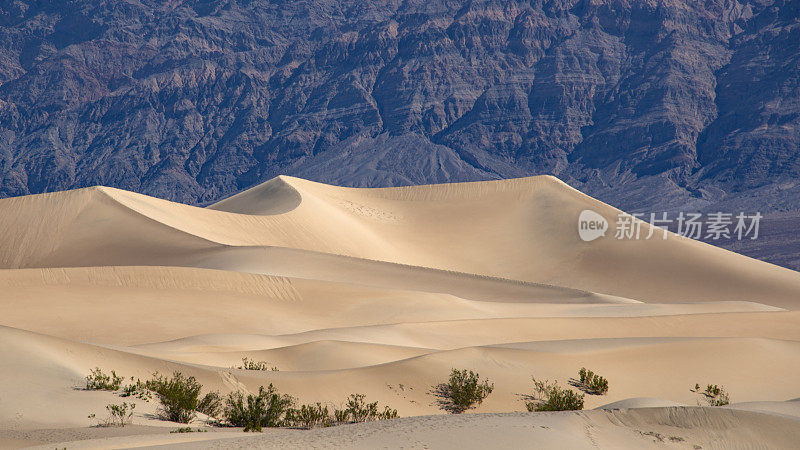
382 291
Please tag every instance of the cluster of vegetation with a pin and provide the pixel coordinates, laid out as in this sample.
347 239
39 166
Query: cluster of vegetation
358 410
591 382
178 396
137 390
267 409
271 409
551 397
250 364
464 390
188 430
180 400
118 415
714 395
309 416
98 381
210 404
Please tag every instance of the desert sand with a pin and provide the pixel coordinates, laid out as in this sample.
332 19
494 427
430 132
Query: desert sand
382 292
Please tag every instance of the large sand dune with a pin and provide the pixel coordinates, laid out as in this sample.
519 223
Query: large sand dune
383 291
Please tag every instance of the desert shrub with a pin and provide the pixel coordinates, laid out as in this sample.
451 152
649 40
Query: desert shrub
210 404
188 430
118 415
591 382
720 400
341 415
560 400
178 396
121 414
716 395
249 364
267 409
358 410
98 381
137 390
248 412
551 397
465 389
387 414
309 416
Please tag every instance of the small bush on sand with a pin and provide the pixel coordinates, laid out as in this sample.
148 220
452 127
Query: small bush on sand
188 430
714 395
137 390
341 415
178 396
551 397
358 410
591 382
98 381
210 404
465 390
309 416
267 409
250 364
118 415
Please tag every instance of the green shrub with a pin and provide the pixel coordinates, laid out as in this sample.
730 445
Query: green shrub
721 400
188 430
119 415
137 390
178 396
387 414
591 382
210 404
249 364
715 395
267 409
309 416
98 381
249 413
551 397
341 415
358 410
465 389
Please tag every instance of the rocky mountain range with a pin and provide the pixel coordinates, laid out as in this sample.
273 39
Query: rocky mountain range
647 104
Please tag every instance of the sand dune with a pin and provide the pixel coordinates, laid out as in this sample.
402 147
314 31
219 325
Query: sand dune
521 229
674 427
383 291
637 428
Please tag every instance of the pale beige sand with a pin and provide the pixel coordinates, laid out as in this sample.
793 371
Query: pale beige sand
383 291
673 427
523 229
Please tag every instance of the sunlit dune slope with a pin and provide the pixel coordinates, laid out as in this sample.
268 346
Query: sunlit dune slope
522 229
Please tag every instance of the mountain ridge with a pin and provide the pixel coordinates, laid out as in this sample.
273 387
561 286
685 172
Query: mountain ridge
193 101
